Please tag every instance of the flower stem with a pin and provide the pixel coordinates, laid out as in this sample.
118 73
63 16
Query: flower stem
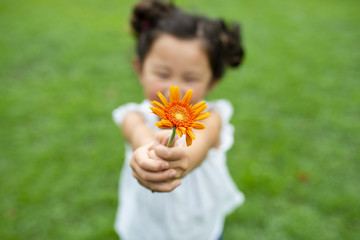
172 137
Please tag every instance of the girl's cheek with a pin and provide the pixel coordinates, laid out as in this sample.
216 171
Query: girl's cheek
199 95
152 90
149 92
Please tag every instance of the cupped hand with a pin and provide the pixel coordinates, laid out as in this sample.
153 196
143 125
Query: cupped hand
176 156
153 172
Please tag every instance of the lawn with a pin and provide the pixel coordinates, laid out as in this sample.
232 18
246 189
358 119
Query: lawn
65 65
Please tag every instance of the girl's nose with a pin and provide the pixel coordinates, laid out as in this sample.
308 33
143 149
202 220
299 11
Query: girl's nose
182 92
167 94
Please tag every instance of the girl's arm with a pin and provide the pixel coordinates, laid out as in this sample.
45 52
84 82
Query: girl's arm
205 140
135 130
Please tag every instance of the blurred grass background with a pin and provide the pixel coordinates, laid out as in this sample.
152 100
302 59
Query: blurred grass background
65 65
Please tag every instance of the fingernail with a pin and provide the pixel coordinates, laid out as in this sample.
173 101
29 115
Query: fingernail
177 183
165 165
178 142
172 173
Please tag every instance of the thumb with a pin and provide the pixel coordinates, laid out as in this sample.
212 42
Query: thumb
163 137
166 140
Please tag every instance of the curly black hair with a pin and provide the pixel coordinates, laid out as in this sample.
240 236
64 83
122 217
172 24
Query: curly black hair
223 44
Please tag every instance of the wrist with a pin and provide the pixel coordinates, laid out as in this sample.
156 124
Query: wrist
142 136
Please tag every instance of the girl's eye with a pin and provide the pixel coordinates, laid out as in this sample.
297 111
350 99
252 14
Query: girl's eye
162 75
190 79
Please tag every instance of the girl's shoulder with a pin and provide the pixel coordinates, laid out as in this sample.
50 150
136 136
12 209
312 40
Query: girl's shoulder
223 107
119 113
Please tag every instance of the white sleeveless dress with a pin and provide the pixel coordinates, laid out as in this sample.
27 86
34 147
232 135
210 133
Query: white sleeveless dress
196 209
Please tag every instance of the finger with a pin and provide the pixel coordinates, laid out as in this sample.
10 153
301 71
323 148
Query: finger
170 154
165 140
162 186
163 137
139 181
180 172
153 156
154 176
165 186
160 135
143 159
177 166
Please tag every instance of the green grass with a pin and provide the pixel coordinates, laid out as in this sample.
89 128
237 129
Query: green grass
64 66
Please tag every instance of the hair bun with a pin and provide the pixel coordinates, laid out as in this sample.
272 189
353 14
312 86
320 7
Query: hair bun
147 13
233 52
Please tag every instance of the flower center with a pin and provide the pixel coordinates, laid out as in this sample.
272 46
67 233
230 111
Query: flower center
179 116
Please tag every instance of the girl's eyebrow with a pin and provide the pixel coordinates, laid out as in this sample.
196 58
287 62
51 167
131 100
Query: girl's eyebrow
192 73
161 67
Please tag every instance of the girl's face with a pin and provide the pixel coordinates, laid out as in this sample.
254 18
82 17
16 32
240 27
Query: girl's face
175 62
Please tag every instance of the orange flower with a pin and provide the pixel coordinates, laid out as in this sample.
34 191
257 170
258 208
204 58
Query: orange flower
180 114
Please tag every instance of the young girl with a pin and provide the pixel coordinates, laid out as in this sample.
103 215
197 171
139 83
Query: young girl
178 192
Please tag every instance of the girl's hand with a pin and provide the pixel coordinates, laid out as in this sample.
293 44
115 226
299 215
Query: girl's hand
152 172
176 156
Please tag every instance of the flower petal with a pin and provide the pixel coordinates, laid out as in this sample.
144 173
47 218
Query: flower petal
183 130
158 112
198 126
179 132
163 99
187 98
198 110
174 94
164 124
190 133
199 104
158 105
188 140
202 116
